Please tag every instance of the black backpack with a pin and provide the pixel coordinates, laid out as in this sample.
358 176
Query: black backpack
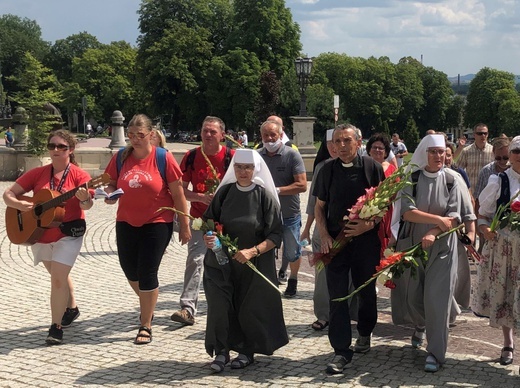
190 160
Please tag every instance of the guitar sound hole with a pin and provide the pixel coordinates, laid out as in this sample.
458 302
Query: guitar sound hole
38 210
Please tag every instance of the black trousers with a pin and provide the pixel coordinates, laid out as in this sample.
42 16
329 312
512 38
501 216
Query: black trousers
359 257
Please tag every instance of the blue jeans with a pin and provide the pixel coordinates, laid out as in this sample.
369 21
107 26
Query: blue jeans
292 249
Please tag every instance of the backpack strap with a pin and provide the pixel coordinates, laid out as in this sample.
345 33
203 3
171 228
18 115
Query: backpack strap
450 180
119 160
160 159
227 159
505 193
190 160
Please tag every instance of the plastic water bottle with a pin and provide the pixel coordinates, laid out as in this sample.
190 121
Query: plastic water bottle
219 252
306 249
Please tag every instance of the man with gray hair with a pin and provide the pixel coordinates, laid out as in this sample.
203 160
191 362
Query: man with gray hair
289 175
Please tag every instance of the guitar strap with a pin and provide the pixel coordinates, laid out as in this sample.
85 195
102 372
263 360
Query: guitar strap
62 180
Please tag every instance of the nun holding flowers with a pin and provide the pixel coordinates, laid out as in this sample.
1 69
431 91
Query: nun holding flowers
435 205
244 312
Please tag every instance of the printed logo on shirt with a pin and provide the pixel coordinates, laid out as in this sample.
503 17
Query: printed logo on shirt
135 177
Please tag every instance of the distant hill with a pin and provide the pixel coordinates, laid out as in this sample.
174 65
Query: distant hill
466 79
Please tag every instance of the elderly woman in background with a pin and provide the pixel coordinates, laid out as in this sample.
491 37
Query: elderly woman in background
142 232
378 148
497 292
244 311
431 207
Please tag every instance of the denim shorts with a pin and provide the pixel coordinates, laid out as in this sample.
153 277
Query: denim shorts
292 249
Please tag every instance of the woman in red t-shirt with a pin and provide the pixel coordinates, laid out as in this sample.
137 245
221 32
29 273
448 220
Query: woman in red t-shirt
57 251
143 233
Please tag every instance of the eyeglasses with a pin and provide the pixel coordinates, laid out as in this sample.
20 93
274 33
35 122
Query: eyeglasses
377 148
138 135
59 147
516 151
437 152
481 133
246 167
498 158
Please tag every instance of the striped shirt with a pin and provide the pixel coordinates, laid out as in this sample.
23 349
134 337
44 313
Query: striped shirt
472 159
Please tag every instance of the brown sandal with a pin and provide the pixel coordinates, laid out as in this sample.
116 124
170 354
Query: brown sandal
147 336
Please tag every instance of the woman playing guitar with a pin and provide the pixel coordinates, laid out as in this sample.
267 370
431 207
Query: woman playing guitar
57 251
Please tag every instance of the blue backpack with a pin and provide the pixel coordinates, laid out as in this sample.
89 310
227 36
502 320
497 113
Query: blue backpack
160 159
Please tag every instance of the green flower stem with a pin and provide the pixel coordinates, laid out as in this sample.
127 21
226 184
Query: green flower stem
253 267
408 252
498 215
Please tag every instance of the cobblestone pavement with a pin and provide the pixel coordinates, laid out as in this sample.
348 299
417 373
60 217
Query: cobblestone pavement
98 348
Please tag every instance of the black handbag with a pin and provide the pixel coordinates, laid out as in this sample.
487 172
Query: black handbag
75 228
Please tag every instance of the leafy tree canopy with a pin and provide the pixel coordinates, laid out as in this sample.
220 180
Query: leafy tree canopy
18 36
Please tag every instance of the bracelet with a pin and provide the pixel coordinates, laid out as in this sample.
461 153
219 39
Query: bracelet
85 201
257 251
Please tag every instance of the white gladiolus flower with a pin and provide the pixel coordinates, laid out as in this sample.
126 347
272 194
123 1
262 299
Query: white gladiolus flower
196 224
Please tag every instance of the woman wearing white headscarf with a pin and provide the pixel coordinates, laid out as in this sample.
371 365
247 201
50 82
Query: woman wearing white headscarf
497 292
244 312
437 206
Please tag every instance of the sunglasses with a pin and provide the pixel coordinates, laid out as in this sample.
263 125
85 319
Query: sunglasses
246 167
59 147
138 135
498 158
516 152
481 133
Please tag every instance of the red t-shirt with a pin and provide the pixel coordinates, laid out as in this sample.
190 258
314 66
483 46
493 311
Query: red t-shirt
39 178
145 189
197 174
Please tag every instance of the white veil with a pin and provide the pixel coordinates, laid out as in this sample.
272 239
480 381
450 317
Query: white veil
261 176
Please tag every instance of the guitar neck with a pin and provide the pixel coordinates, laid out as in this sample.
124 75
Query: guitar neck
56 201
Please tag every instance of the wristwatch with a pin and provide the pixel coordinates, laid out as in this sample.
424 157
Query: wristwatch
257 251
277 190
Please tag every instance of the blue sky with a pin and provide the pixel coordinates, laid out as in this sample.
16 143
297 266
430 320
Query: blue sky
454 36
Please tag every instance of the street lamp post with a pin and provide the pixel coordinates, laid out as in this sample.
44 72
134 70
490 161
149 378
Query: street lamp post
303 71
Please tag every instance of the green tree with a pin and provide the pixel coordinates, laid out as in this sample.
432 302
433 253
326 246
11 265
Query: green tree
177 43
320 104
266 28
107 76
438 96
411 135
38 86
233 87
455 112
508 111
17 37
483 100
63 51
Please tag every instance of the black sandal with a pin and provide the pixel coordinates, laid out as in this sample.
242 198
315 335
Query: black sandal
218 364
506 360
147 336
242 361
318 325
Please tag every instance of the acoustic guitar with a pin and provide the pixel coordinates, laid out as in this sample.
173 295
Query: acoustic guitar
25 228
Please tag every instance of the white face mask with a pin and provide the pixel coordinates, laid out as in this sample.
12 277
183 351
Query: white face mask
273 146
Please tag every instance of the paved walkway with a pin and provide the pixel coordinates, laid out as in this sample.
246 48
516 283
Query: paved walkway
98 348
